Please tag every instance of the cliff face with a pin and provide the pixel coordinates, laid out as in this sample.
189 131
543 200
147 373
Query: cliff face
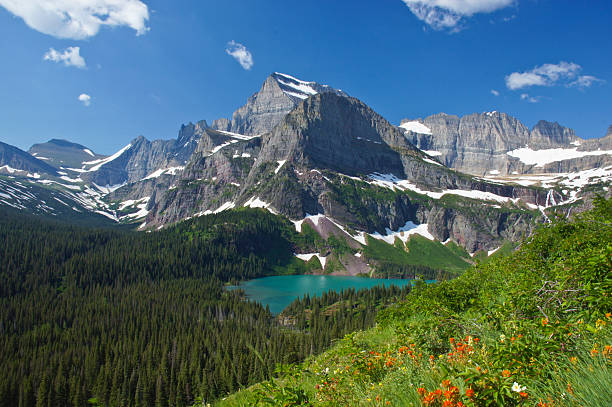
481 144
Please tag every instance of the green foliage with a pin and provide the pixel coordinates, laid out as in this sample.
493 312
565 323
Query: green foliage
531 327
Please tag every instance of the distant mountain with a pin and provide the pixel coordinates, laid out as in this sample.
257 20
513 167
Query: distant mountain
62 153
334 156
495 143
143 158
13 159
328 162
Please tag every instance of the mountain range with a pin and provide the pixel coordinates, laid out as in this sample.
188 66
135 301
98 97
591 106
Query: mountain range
322 158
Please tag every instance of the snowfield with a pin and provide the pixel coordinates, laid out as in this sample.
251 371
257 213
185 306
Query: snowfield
540 158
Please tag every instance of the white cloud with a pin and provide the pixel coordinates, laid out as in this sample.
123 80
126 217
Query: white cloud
240 54
529 99
85 99
563 73
494 92
70 57
79 19
447 14
585 81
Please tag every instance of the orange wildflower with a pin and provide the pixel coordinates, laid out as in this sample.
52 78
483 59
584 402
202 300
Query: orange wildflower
506 373
469 393
446 383
523 394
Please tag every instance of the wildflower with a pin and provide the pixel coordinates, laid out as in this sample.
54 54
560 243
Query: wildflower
544 321
502 337
506 373
421 391
523 395
608 315
469 393
446 383
447 403
518 388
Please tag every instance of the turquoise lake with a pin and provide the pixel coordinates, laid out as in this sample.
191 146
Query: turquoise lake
279 291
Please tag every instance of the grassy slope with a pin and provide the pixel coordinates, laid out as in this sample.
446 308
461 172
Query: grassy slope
418 251
538 318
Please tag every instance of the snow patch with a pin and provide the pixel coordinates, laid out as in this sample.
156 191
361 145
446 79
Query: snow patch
295 87
225 206
99 163
280 165
404 233
432 153
164 171
427 160
238 136
88 151
416 127
392 182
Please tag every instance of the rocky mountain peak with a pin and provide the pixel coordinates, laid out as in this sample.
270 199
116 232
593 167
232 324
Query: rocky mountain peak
62 153
548 135
279 94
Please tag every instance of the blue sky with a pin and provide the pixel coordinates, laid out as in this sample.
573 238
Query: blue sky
150 65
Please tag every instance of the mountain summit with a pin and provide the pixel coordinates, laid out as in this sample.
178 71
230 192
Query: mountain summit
279 95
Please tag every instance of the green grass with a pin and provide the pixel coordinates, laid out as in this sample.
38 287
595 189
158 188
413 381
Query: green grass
434 254
419 251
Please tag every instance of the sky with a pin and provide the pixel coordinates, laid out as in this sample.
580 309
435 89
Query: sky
102 72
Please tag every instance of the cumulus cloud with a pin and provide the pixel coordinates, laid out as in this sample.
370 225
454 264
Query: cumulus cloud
494 92
70 57
79 19
240 54
563 73
85 99
447 14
